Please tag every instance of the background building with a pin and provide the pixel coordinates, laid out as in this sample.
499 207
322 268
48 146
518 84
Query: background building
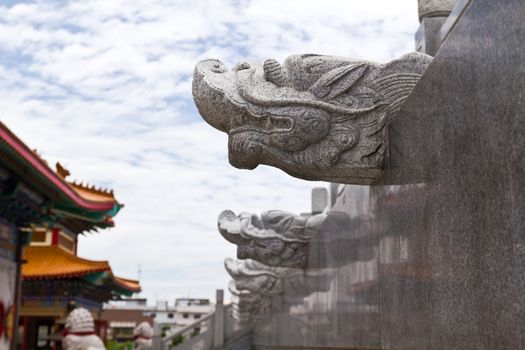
122 316
185 312
38 206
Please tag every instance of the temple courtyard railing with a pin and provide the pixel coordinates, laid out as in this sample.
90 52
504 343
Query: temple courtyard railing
215 331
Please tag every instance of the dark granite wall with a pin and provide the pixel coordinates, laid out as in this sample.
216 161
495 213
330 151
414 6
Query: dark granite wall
462 134
336 302
434 257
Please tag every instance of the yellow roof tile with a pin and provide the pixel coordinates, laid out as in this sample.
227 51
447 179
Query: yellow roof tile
54 262
131 285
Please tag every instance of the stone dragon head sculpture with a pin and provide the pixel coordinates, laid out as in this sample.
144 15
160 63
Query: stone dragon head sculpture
248 306
255 277
275 238
315 117
253 287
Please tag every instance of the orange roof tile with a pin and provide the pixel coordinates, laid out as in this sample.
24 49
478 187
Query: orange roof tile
131 285
92 193
54 262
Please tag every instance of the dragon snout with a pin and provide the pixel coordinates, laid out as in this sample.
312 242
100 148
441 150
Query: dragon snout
211 65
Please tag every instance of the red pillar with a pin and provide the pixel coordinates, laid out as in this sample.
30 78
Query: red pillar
54 236
24 333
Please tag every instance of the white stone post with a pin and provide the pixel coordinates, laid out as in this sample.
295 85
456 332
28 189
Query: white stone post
157 337
435 8
319 200
218 336
432 16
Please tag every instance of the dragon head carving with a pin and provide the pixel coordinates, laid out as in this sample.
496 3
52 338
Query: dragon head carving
275 238
315 117
248 306
255 277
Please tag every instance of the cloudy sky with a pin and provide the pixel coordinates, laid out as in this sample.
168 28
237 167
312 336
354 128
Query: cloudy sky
105 87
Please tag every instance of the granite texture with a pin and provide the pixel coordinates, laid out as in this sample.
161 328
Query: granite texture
340 308
433 256
274 238
462 134
319 200
435 8
315 117
248 307
452 19
253 287
259 290
255 277
428 35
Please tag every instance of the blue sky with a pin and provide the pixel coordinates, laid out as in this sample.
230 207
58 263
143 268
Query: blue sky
105 87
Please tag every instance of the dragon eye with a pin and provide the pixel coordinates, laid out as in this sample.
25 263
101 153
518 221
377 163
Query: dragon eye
332 156
345 140
253 149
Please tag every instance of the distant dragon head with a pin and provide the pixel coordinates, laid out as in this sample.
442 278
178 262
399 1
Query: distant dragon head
275 238
255 277
315 117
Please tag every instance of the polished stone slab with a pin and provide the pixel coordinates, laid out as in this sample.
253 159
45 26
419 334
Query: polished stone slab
428 35
461 136
434 8
336 304
453 18
433 257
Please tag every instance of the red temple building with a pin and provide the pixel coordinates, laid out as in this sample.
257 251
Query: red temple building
41 276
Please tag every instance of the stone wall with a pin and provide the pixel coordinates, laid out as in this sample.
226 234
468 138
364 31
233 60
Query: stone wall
433 257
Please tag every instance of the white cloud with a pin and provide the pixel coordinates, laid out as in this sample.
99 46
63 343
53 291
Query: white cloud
104 87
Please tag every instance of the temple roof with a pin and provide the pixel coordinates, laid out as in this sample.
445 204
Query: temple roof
131 285
91 193
63 199
52 262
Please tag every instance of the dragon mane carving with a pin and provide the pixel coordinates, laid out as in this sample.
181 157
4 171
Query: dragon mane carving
253 286
256 287
275 238
315 117
255 277
248 306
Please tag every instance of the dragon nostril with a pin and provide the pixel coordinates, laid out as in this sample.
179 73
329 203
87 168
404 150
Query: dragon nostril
218 67
242 66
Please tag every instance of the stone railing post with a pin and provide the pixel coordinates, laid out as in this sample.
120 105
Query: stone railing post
157 337
432 15
218 336
319 200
